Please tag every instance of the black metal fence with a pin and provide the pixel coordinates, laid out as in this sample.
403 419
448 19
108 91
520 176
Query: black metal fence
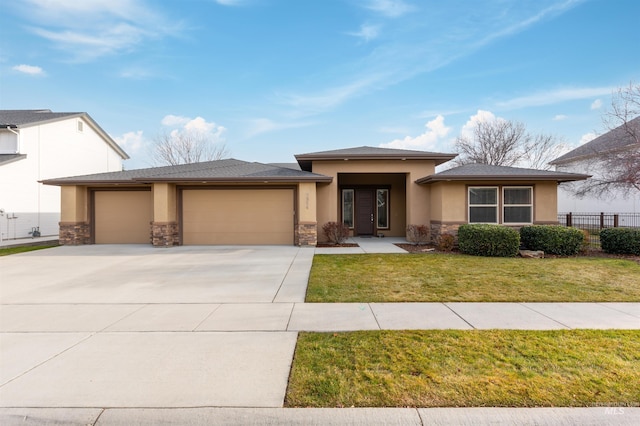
593 223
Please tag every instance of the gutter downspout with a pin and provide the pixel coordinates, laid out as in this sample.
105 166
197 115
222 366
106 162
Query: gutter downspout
18 138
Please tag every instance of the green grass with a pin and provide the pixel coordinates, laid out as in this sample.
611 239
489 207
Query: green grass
449 278
506 368
23 249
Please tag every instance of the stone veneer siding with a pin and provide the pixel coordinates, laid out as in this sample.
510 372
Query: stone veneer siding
164 234
74 233
306 234
440 228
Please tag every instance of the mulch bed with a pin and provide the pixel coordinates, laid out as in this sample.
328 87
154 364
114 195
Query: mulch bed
325 245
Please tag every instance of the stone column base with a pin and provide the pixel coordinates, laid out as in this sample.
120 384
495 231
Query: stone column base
74 233
164 234
306 234
441 228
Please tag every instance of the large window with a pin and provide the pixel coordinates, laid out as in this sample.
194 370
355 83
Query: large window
382 196
516 202
347 207
483 205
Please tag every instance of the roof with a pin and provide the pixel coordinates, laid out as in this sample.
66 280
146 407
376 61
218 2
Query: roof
618 138
371 153
22 118
228 170
10 158
477 172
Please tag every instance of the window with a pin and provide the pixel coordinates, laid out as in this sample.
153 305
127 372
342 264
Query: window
483 205
382 196
518 204
347 207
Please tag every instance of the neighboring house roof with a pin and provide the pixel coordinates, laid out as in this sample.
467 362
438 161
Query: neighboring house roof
478 172
228 170
616 139
10 158
371 153
294 166
21 118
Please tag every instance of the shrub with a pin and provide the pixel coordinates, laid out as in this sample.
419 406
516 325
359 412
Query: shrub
552 239
336 232
446 242
417 234
620 240
488 240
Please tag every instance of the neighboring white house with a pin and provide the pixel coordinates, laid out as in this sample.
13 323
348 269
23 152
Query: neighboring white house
40 144
587 159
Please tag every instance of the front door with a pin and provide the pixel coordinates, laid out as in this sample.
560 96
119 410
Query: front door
365 203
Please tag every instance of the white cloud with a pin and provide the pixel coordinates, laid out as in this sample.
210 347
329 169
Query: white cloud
198 125
132 142
230 2
554 96
468 130
389 8
87 30
560 117
266 125
366 32
587 137
436 131
597 104
29 69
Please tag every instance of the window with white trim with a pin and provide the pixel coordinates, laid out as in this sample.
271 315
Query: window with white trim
347 207
514 203
483 205
517 205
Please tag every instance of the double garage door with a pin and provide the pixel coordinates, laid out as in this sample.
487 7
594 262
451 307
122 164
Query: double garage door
209 216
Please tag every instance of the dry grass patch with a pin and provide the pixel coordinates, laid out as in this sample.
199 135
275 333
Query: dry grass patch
442 277
506 368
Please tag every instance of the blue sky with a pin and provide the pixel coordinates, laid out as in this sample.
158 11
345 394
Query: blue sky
274 78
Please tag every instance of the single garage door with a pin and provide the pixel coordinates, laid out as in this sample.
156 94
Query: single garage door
237 216
122 217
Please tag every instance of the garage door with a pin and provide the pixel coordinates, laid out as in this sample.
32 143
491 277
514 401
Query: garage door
237 216
122 217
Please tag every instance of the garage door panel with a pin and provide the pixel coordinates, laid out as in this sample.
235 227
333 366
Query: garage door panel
122 217
238 216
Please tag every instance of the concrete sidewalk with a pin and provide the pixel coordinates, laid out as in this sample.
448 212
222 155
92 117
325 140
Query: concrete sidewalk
192 335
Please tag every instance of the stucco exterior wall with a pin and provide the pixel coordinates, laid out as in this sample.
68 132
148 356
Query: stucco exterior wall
416 197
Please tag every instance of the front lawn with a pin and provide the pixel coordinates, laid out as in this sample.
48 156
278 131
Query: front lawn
23 249
507 368
459 278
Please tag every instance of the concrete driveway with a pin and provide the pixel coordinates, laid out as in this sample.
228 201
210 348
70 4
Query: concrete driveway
134 326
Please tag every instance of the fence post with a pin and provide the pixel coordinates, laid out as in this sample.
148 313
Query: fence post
615 220
601 220
569 219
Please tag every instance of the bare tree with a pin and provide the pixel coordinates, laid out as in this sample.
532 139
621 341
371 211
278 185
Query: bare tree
507 143
614 161
185 147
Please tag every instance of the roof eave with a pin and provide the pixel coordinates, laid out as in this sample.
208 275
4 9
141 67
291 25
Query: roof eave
556 178
252 179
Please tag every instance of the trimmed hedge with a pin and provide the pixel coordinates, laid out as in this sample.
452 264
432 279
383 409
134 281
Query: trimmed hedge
620 240
488 240
552 239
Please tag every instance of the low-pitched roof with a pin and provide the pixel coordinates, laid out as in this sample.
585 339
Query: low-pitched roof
371 153
21 118
228 170
484 172
618 138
